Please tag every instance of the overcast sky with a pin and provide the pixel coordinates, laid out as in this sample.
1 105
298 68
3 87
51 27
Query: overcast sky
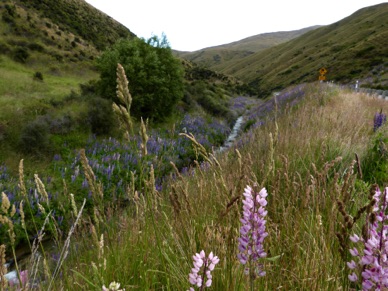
193 25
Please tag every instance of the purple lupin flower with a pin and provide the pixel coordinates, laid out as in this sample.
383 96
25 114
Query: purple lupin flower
372 262
252 232
203 266
379 120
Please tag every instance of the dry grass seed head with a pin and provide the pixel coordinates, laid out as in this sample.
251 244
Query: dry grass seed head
144 137
174 200
3 268
41 188
122 87
22 186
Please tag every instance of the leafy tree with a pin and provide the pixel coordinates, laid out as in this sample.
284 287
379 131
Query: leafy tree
155 76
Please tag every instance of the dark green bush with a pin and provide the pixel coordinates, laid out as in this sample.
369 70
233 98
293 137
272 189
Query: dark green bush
101 117
248 124
4 48
38 76
89 88
36 47
9 14
7 17
212 106
154 75
34 138
20 54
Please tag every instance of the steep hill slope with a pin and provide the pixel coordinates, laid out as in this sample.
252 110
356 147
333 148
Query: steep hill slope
353 48
61 29
218 57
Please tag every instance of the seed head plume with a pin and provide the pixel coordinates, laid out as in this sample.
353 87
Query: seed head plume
122 87
144 137
123 110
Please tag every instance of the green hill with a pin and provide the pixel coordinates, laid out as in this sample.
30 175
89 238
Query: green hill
350 49
63 24
219 57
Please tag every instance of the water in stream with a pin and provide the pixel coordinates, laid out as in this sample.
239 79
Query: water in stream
233 135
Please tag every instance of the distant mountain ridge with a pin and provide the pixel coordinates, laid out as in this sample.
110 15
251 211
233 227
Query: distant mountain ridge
354 48
218 57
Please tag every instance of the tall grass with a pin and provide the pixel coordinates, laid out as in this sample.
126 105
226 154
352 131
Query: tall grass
302 154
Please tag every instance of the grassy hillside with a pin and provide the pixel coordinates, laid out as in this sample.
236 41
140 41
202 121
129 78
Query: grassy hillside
353 48
58 22
218 57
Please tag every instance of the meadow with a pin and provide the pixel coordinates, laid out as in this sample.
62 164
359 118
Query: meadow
118 213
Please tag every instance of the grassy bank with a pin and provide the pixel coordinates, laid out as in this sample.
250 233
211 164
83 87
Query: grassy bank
302 152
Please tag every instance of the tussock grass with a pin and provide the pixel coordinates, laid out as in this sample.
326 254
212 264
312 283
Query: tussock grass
309 167
304 156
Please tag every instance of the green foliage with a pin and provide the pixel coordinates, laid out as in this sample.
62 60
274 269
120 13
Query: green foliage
4 48
101 116
210 97
154 75
8 14
20 54
248 125
375 163
34 138
38 76
212 106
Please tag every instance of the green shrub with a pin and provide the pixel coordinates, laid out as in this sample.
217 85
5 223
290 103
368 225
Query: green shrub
9 14
211 105
4 48
20 54
101 117
154 75
36 47
38 76
7 17
34 138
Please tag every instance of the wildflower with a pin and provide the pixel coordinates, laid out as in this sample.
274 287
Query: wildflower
372 263
252 231
202 266
14 280
114 286
379 120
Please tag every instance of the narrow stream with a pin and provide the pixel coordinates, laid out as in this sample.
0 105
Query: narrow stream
233 135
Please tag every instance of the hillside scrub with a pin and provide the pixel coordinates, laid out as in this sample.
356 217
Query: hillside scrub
302 152
154 75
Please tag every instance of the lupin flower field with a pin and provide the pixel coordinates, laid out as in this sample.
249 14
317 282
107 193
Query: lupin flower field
292 205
